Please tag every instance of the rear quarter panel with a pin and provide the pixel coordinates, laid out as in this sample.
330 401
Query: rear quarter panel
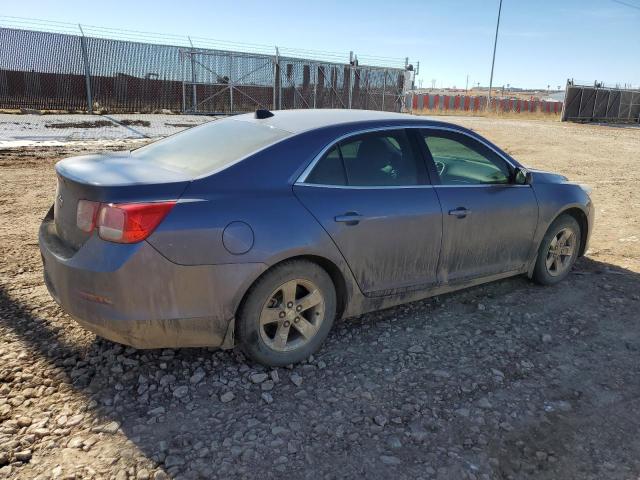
192 234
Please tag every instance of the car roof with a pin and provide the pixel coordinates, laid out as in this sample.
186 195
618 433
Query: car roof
302 120
298 121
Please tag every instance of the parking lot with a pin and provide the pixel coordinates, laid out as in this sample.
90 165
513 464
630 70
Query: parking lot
507 380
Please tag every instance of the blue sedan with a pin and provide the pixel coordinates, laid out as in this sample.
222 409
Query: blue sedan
259 230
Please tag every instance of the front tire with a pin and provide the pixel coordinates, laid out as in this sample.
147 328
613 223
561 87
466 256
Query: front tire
558 251
287 313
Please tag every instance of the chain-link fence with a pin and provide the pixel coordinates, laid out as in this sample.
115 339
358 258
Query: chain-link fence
61 71
601 103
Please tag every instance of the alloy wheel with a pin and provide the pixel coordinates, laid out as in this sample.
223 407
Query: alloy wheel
561 250
292 315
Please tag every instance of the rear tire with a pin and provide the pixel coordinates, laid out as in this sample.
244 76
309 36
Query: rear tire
558 251
287 314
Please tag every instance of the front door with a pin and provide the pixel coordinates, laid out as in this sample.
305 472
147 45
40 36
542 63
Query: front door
370 193
488 220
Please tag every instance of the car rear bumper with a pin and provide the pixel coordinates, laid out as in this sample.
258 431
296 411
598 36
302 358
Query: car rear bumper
143 334
131 294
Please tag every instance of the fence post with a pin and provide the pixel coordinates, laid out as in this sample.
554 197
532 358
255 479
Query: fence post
564 103
593 108
184 95
315 83
87 71
275 75
231 83
194 96
279 80
384 87
350 78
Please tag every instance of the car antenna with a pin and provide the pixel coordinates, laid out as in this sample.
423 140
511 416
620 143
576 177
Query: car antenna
263 113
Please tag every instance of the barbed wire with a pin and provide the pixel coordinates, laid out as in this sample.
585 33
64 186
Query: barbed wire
600 84
188 41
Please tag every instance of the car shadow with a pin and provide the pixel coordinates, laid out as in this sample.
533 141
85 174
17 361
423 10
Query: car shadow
199 413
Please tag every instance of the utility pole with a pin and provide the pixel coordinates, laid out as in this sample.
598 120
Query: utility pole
466 87
493 60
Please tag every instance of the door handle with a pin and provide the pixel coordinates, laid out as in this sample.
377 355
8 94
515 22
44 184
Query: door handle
460 212
350 218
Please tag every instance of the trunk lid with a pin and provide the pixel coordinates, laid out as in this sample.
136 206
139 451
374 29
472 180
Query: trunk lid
108 178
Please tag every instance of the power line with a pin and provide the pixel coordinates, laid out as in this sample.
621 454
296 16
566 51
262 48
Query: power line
626 4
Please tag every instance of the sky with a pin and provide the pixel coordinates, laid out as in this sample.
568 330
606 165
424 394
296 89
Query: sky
540 42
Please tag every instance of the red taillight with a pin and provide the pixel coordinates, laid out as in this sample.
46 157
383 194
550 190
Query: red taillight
130 222
121 222
86 215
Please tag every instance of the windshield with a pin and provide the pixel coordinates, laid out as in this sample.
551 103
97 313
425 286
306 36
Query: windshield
210 147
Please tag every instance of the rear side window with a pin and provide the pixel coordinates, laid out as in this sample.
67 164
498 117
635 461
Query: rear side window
210 147
383 158
329 170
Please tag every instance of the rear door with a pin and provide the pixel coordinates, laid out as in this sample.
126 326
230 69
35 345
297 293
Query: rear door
488 220
371 194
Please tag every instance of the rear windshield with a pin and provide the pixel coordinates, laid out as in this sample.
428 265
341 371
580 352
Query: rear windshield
210 147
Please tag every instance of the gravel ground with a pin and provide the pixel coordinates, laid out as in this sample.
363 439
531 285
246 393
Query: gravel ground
507 380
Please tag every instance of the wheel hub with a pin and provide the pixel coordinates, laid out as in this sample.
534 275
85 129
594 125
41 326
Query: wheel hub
292 315
560 253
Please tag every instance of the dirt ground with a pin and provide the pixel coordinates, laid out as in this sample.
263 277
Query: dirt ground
507 380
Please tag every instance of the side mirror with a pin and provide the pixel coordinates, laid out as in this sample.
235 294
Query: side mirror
523 177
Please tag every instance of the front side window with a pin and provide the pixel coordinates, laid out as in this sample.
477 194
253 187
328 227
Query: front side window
375 159
461 160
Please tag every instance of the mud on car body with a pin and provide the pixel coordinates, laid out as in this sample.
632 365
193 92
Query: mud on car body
260 230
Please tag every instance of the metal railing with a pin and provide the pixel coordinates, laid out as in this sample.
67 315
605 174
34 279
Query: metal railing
110 70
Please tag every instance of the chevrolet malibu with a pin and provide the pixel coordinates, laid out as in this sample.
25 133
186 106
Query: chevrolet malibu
260 230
